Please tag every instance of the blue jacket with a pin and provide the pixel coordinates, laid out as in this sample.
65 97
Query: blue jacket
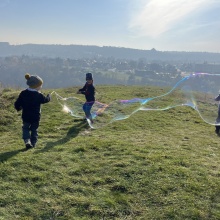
29 102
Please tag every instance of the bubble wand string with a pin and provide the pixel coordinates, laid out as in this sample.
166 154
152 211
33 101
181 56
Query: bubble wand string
193 90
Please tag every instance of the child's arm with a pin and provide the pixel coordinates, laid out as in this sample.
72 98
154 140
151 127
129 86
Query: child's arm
45 99
82 91
217 98
17 103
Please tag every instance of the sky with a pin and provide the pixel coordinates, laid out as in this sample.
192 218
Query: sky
165 25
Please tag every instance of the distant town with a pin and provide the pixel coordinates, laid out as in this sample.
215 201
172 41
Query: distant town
65 66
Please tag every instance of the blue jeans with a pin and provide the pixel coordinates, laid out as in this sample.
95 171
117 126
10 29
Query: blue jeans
87 108
29 131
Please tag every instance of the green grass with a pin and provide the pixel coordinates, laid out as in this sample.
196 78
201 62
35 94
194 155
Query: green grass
153 165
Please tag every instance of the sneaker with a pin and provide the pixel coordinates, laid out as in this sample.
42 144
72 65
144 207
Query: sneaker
33 143
28 144
90 120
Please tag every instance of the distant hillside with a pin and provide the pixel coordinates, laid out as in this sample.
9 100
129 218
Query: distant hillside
81 51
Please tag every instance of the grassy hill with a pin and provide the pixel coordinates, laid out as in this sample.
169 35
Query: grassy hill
153 165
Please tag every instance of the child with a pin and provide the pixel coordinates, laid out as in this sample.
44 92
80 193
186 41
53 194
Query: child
217 127
89 91
29 101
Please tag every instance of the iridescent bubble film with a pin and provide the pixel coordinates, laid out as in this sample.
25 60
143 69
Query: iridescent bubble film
198 91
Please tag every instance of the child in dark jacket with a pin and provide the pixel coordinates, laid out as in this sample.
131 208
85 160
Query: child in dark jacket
89 91
217 127
29 101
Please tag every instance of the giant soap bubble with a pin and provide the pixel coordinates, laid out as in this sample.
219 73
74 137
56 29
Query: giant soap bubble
197 90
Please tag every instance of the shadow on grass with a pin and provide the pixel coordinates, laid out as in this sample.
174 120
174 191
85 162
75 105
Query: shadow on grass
72 133
7 155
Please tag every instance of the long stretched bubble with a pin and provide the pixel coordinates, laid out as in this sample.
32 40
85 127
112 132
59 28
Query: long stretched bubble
197 90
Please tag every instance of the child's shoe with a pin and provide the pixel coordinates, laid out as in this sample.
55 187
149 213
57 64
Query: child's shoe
33 143
28 144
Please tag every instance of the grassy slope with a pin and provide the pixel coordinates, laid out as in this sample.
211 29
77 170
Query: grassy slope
154 165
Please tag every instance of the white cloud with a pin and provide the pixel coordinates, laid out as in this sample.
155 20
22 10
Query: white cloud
158 16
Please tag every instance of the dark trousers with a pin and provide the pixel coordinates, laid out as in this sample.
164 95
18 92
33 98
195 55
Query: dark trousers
217 127
87 108
29 131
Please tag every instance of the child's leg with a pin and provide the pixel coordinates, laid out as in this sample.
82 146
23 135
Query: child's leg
217 129
26 131
26 134
87 108
34 133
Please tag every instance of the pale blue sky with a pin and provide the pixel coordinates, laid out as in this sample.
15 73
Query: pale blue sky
166 25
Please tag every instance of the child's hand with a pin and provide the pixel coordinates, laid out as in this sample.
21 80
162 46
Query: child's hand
78 92
19 109
48 96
